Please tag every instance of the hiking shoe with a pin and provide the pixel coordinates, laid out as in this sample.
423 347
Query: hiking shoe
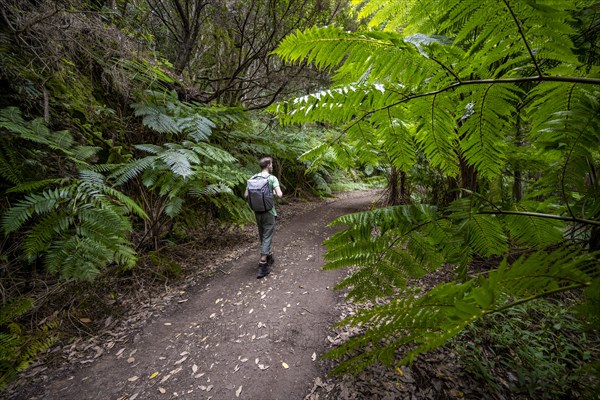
270 259
263 269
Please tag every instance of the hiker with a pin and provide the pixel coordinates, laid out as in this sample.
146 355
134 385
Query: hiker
259 193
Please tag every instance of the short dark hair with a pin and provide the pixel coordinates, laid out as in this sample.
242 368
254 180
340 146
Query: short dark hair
265 162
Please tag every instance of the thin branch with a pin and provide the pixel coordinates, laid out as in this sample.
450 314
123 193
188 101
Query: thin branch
537 296
564 79
567 160
445 67
522 34
541 215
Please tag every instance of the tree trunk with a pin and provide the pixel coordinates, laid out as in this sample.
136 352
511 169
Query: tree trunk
517 186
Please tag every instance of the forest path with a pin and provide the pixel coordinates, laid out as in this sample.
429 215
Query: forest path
233 336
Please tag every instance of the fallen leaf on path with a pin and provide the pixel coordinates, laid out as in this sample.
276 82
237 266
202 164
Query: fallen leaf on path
133 378
218 301
212 315
165 378
261 366
176 371
244 360
162 390
180 361
284 365
238 392
256 361
85 320
131 360
120 352
314 356
168 324
209 388
200 375
236 369
251 311
194 368
154 375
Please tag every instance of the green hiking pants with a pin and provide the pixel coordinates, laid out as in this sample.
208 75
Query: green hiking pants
266 230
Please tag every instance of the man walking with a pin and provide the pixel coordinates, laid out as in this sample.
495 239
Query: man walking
266 216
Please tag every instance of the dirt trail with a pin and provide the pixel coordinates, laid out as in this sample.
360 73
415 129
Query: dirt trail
234 335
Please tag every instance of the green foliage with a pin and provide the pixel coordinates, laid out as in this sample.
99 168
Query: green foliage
481 102
288 147
165 268
77 224
79 228
540 346
192 168
164 113
427 320
18 347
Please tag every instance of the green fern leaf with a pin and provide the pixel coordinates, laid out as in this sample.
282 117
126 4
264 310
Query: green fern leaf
132 169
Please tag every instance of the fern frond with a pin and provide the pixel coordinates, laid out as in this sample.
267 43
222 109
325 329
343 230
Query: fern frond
544 26
21 212
42 234
487 122
8 169
388 15
177 161
150 148
383 54
398 142
485 235
84 153
197 127
210 153
14 308
156 118
126 201
174 206
77 258
427 320
132 169
211 190
535 232
12 120
377 242
28 187
436 133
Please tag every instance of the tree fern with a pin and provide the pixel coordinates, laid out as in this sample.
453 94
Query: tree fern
78 228
480 89
164 113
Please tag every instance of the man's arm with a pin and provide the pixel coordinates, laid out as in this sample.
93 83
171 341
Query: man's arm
246 193
278 192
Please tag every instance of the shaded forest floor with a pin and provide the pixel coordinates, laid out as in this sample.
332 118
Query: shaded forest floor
219 333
